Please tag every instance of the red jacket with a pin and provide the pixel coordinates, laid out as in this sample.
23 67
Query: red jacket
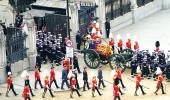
116 90
136 46
111 42
138 79
46 83
120 43
37 74
66 63
94 83
73 83
26 91
128 44
119 74
160 80
9 80
52 75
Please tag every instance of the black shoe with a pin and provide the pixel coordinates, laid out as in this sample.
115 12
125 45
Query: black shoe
80 95
58 87
104 86
144 93
156 93
89 88
163 93
33 95
16 94
135 94
42 87
53 96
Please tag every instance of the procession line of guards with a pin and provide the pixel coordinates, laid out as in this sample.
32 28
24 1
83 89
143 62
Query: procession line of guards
73 85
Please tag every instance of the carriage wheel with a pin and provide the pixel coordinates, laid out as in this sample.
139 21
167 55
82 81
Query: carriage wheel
117 59
91 59
127 54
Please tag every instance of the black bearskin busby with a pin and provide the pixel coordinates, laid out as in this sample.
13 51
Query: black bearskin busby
157 44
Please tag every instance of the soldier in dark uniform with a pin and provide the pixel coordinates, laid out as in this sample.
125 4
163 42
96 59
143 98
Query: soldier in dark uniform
76 64
8 68
78 40
38 62
100 77
133 66
107 27
85 79
64 78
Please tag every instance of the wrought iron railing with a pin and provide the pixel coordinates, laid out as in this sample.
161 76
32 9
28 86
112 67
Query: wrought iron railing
116 8
143 2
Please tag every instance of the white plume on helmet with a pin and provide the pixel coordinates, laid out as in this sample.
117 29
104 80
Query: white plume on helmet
113 72
158 71
93 30
9 73
138 70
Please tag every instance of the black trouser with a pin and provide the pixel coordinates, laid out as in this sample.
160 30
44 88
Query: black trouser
84 85
95 88
64 81
120 50
101 81
45 90
122 83
145 71
140 88
133 70
107 32
162 88
27 98
113 48
31 90
72 90
76 66
39 83
77 84
12 87
78 46
116 97
55 82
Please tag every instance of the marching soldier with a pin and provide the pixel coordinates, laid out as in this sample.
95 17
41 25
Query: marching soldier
128 44
133 66
76 64
119 45
100 77
10 85
66 63
94 86
37 77
136 46
73 86
26 92
111 43
64 78
85 79
119 75
116 89
27 84
138 80
52 77
159 81
77 83
47 86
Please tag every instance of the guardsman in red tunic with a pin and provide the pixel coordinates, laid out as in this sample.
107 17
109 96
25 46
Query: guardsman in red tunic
138 80
119 75
66 63
47 86
116 89
128 44
37 78
52 77
10 85
111 43
26 93
120 44
159 81
136 46
94 86
73 86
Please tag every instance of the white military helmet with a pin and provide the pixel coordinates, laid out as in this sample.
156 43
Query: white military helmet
138 70
9 73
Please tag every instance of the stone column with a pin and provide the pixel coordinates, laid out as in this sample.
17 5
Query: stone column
134 12
2 56
101 14
30 40
74 24
165 4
